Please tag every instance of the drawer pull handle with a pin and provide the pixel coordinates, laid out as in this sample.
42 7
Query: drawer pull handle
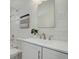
38 54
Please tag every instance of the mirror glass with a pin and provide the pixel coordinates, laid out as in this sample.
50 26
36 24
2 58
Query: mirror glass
45 14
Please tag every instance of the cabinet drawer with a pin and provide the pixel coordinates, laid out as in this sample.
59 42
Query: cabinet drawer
51 54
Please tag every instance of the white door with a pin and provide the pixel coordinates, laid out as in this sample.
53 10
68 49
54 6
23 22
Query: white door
30 51
51 54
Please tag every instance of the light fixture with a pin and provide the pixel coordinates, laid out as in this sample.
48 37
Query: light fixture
38 1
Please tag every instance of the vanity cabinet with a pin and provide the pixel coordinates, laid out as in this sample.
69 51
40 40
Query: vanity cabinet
30 51
33 51
51 54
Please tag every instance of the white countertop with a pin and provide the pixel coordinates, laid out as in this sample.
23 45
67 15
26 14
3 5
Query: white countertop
58 45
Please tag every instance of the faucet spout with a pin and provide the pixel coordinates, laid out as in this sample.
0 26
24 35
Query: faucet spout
44 36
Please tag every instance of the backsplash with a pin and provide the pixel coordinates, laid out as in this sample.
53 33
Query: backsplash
60 32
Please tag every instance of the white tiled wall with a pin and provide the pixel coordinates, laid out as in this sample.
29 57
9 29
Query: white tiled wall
59 33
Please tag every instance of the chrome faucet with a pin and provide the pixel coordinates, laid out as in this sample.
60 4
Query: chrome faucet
44 36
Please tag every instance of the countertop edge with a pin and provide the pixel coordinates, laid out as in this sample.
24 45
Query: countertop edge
58 50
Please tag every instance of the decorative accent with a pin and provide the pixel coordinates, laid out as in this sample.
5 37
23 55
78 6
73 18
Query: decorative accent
24 21
34 31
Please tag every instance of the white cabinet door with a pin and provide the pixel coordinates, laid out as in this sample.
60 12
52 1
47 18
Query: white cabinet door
51 54
30 51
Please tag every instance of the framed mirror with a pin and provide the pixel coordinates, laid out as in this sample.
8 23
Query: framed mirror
46 14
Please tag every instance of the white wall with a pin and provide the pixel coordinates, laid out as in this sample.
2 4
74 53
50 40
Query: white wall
26 6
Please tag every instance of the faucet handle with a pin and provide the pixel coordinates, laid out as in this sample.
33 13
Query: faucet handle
44 36
50 37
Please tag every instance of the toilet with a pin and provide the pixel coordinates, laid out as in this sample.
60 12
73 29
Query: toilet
15 53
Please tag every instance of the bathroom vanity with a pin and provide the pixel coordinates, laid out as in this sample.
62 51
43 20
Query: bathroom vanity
50 17
42 49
